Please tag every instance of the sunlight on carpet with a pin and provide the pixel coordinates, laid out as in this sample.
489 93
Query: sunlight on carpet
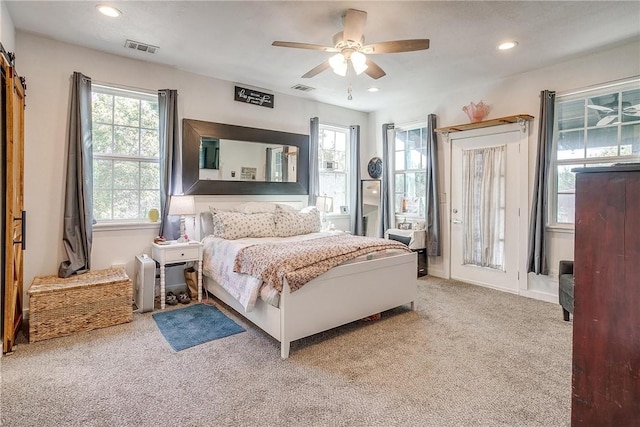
197 324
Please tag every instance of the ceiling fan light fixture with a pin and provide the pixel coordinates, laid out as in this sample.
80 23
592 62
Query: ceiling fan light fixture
338 64
359 62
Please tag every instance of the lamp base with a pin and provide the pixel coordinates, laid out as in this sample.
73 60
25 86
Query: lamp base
183 237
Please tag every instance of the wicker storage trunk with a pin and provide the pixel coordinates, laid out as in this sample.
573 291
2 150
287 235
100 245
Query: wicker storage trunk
92 300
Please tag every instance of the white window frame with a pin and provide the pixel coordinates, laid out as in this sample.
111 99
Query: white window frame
140 95
398 215
344 170
586 161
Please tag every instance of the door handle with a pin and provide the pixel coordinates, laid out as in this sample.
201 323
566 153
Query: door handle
23 227
457 221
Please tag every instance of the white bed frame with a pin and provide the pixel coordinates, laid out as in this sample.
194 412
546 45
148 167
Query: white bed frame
342 295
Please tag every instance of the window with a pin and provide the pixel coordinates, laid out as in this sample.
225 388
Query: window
595 127
410 157
126 151
333 158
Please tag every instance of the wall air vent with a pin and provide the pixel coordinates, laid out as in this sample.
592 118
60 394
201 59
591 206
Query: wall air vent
142 47
303 88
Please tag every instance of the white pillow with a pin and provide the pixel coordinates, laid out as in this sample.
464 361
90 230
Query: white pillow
293 223
236 225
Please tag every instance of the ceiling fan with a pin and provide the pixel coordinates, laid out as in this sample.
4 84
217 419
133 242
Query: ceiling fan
350 50
608 110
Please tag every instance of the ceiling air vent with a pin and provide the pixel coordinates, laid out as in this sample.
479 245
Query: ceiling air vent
142 47
303 88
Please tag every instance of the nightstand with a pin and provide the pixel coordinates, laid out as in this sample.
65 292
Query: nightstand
417 242
172 252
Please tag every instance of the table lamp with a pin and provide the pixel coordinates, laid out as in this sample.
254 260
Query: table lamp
182 205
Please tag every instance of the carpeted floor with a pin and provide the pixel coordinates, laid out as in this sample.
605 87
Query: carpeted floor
469 356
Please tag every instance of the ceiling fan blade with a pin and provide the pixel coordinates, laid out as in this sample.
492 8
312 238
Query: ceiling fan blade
354 21
633 110
606 120
317 70
600 108
373 70
305 46
396 46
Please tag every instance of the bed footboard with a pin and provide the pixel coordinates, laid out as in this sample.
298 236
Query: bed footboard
342 295
346 294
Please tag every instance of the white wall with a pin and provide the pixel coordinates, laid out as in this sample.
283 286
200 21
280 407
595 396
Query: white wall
7 30
48 66
516 95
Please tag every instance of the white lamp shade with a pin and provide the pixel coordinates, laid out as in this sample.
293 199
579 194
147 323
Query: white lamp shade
182 205
359 62
339 64
324 203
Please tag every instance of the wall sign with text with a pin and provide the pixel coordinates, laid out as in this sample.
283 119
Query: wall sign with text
250 96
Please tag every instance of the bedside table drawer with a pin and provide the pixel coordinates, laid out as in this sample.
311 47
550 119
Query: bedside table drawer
177 255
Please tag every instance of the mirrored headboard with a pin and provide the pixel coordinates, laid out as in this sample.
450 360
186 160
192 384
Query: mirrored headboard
236 160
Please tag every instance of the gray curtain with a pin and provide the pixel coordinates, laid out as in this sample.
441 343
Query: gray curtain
285 164
314 167
388 136
170 160
77 235
537 262
355 193
268 172
432 203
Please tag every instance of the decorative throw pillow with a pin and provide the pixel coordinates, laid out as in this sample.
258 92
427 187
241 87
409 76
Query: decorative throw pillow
230 225
293 223
261 224
236 225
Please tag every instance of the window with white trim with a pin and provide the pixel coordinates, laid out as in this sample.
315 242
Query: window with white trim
334 168
126 154
594 127
410 162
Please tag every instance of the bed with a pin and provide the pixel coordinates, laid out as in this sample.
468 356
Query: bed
343 294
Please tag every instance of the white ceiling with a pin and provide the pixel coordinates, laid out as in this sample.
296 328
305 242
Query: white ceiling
232 40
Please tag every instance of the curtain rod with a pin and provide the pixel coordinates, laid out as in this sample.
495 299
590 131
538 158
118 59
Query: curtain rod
126 88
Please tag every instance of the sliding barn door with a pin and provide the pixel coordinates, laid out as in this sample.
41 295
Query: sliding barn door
13 110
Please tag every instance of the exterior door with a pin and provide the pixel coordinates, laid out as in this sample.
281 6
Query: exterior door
14 206
507 234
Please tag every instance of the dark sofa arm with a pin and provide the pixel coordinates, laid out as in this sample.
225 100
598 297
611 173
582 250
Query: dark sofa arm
566 267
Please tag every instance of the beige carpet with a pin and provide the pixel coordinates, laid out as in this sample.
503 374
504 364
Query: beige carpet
469 356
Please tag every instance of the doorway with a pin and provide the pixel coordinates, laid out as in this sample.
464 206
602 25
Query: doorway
487 206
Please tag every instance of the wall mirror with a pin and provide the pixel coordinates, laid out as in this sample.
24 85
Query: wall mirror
371 203
227 159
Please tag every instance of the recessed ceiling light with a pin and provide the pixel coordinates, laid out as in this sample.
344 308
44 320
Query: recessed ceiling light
373 89
507 45
108 10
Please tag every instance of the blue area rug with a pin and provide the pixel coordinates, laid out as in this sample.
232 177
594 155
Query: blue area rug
193 325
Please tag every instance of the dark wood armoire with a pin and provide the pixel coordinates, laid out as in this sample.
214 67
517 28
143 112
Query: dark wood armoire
606 328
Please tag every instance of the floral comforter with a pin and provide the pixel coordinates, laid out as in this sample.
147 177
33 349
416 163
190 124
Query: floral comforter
250 267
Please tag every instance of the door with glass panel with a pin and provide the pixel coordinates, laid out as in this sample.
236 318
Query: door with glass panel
484 213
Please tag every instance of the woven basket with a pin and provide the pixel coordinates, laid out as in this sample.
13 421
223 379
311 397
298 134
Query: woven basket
96 299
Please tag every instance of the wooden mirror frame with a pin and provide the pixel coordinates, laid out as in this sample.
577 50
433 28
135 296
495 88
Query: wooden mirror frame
194 130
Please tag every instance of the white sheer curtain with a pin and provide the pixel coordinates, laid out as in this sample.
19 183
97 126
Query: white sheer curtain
483 206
